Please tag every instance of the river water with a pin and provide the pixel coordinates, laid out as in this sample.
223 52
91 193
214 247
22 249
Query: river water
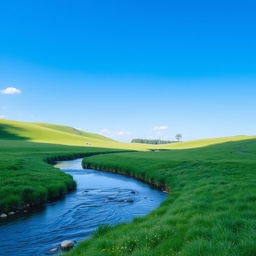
100 198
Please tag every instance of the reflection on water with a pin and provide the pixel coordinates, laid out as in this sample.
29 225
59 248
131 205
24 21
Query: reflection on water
100 198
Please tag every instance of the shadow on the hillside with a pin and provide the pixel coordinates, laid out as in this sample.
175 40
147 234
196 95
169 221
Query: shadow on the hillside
9 132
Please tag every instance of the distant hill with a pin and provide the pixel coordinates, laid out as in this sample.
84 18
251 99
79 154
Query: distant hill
49 133
60 134
205 142
65 135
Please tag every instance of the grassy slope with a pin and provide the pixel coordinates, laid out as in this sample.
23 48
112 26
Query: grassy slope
204 142
211 209
24 175
58 134
74 131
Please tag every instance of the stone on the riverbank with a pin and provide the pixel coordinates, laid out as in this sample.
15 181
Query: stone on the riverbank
11 213
3 215
67 245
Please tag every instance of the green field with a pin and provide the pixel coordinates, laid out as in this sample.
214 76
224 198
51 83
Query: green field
211 208
25 176
25 148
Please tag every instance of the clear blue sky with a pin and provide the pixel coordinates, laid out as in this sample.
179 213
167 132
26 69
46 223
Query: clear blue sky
125 67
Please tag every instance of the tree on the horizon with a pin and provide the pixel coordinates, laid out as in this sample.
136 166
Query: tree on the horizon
178 137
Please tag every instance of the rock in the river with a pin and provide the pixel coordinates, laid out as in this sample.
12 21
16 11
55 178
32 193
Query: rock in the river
53 250
3 215
129 201
11 213
67 245
125 201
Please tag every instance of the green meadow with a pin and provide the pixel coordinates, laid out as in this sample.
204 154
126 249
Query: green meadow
25 150
210 209
27 178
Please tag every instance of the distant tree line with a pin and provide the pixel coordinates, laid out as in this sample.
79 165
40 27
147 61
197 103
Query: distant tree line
178 138
146 141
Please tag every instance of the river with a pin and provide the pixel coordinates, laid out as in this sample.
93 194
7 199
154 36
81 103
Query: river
100 198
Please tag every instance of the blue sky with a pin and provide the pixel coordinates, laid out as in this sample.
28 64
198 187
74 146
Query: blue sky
123 68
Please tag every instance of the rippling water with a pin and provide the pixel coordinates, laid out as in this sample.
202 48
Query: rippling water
99 199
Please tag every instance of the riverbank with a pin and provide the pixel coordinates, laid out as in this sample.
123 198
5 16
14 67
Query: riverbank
27 181
162 187
210 210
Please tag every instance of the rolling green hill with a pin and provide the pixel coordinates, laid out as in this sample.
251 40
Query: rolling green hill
48 133
59 134
65 135
205 142
73 131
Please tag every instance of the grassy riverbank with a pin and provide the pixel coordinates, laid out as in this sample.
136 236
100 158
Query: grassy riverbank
27 178
211 208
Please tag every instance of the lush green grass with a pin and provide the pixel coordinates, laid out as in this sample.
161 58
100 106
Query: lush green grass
211 209
25 176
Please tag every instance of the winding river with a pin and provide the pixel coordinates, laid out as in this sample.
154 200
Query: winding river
100 198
